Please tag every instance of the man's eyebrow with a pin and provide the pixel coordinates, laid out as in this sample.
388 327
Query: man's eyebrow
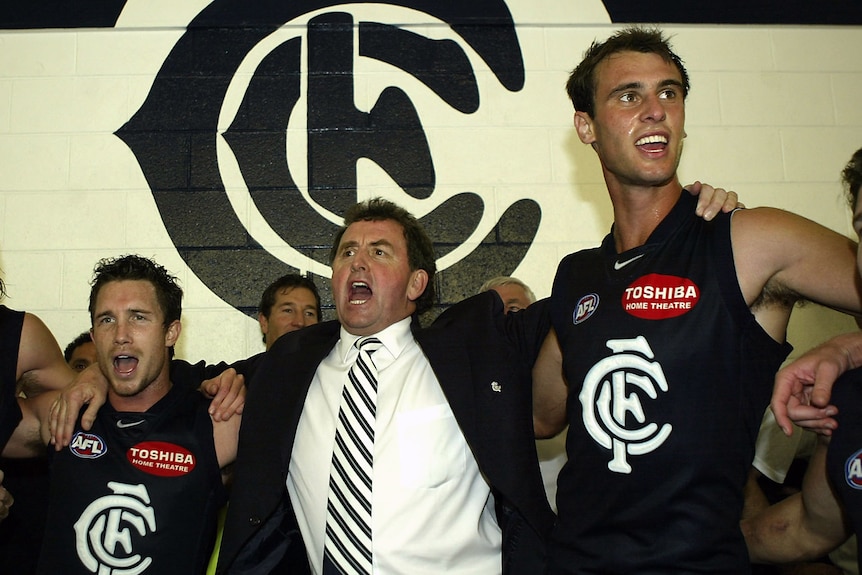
639 86
625 87
671 82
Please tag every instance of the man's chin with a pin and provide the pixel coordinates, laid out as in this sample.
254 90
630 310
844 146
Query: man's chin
126 388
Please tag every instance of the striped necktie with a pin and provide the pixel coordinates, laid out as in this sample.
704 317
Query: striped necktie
347 549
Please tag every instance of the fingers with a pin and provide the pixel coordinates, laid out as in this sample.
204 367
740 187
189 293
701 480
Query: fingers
89 417
229 398
233 406
823 427
731 202
60 426
711 200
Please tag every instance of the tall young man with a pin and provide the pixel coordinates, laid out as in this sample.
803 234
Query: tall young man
138 491
666 338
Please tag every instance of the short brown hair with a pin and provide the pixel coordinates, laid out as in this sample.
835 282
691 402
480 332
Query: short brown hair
581 85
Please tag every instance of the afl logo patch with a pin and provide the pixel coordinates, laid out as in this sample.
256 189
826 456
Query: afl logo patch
657 296
585 307
161 458
853 470
87 445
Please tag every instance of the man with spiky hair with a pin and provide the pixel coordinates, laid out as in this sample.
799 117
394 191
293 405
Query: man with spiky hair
140 489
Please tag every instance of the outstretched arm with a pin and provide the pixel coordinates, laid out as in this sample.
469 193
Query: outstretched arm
803 388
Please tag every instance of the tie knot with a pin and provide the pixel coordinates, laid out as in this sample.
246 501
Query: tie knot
368 344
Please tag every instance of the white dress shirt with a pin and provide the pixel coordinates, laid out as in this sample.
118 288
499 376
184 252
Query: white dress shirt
433 512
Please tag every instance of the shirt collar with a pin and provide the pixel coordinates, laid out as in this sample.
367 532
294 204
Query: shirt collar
394 339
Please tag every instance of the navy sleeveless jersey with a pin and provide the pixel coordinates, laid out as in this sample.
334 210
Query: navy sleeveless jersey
11 324
139 493
669 374
844 458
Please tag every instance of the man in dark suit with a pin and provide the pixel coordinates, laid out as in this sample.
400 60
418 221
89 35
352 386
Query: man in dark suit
456 482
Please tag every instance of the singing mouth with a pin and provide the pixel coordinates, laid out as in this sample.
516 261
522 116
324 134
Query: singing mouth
360 293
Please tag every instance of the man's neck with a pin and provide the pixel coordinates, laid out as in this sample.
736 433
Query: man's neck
142 401
638 210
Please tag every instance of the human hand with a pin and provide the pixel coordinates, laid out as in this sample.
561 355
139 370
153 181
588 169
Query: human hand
711 200
89 387
803 388
228 392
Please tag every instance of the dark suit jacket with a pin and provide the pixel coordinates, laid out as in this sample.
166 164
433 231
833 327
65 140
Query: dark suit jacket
482 359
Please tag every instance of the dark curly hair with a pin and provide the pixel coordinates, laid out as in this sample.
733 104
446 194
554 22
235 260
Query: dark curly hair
851 176
134 267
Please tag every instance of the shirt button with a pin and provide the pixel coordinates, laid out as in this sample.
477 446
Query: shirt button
254 521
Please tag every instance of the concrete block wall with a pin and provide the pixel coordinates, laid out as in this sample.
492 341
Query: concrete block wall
773 114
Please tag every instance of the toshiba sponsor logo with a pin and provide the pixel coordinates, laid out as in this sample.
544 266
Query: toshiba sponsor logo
161 458
657 296
87 445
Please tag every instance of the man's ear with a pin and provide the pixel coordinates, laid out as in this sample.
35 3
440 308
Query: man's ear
264 323
417 285
584 127
172 334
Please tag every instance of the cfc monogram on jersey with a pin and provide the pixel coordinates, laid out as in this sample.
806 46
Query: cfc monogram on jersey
615 418
107 532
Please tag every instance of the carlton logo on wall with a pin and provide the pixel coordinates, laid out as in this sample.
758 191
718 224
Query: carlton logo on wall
296 135
266 120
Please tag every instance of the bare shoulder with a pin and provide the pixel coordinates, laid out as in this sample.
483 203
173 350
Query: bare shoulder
790 254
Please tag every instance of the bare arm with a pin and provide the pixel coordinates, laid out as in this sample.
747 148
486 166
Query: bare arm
804 526
41 366
785 258
782 258
226 438
549 389
32 435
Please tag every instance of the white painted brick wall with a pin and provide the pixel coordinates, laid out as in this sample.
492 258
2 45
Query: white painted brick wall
773 114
